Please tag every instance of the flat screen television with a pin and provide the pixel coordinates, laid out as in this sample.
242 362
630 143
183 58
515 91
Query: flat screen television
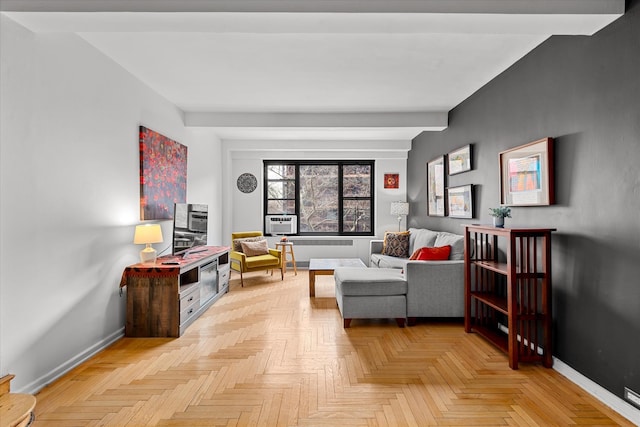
189 227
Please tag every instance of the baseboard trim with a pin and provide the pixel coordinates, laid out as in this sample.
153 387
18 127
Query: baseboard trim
603 395
54 374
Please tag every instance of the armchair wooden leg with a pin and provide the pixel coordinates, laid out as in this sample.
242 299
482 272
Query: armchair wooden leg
282 273
241 279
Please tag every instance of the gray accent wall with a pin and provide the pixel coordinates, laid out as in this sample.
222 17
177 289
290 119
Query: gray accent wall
585 93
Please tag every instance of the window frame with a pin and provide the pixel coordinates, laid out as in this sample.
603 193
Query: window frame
341 198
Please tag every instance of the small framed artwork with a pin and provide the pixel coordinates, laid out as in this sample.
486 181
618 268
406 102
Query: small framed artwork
391 180
459 160
435 187
460 201
526 174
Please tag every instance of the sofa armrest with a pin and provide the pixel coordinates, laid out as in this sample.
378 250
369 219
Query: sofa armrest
275 252
237 260
435 288
375 246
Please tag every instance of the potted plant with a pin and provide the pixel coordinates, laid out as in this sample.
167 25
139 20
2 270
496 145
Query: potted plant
499 214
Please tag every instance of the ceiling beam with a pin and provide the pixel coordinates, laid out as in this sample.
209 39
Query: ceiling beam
430 120
323 6
318 126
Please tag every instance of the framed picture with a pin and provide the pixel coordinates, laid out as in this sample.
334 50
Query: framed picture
526 174
435 187
163 175
391 180
459 160
460 201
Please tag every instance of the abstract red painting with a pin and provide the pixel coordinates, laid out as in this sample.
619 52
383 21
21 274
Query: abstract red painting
391 180
163 175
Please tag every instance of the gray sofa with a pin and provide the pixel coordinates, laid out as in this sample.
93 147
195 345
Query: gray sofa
434 288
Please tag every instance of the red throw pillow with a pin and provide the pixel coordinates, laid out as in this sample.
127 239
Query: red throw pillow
414 255
440 253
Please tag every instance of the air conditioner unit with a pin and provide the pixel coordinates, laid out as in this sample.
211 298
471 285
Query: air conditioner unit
281 224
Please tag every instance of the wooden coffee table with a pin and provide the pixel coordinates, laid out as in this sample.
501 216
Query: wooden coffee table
326 266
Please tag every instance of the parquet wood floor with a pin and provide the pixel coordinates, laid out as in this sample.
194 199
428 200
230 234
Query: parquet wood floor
268 355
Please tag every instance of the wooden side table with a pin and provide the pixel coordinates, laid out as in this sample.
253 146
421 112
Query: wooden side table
16 409
287 249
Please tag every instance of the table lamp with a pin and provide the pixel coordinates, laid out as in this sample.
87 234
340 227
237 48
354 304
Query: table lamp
400 209
147 234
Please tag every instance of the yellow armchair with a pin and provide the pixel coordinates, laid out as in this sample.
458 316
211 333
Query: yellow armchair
242 263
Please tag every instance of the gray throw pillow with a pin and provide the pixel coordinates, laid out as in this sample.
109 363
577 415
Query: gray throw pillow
237 243
456 242
255 248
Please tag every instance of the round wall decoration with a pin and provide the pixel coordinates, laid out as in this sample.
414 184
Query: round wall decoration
247 182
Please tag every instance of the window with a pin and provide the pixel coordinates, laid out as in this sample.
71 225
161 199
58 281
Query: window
329 198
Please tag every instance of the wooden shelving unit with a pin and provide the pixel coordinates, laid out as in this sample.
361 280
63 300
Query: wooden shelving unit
508 301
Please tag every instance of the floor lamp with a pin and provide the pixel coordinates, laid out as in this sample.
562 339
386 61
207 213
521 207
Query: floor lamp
401 209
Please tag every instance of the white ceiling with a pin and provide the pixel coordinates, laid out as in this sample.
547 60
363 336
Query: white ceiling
316 69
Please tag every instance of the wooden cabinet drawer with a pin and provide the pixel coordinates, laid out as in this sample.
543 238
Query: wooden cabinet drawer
189 311
189 295
224 277
189 302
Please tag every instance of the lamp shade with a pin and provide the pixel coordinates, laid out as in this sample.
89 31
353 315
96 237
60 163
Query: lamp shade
399 208
147 233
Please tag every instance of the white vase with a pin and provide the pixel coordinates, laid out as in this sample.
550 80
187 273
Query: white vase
498 221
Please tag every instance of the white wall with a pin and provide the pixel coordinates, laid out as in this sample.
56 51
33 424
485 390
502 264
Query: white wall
70 197
204 173
245 211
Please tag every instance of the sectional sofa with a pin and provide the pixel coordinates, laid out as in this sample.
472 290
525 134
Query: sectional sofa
397 287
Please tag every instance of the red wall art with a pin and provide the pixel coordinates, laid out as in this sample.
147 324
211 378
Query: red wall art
163 175
391 180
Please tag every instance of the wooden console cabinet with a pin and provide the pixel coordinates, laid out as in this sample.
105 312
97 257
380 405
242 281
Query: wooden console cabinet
509 301
164 299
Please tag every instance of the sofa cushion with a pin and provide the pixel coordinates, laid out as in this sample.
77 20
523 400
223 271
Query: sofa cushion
420 238
396 244
370 282
237 243
456 242
438 253
251 249
386 261
262 261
